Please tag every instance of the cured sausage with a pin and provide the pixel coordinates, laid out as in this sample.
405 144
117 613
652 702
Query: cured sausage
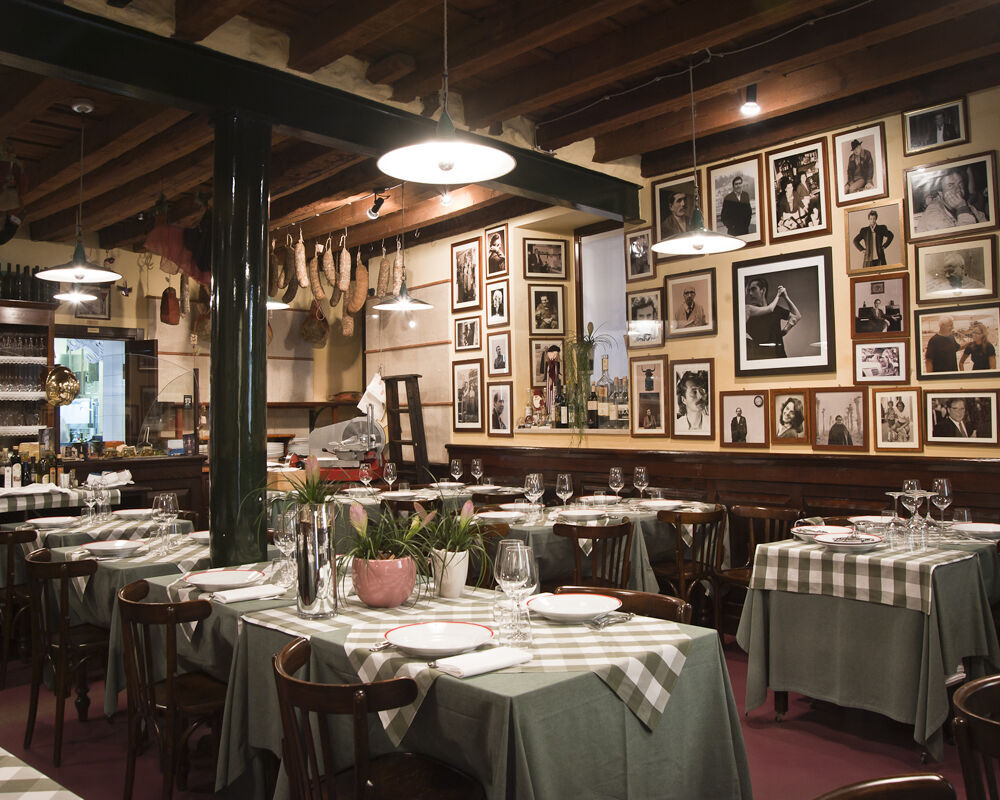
313 269
397 270
344 278
359 288
301 271
347 325
329 264
383 276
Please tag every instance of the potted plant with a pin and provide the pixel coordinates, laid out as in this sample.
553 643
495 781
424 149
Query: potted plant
578 367
453 539
386 556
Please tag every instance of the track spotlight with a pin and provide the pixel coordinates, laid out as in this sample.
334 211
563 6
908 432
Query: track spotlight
750 108
376 204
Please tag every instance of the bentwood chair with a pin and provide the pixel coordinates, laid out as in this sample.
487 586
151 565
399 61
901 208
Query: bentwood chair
173 707
646 604
70 649
14 598
610 553
695 534
977 731
305 708
922 786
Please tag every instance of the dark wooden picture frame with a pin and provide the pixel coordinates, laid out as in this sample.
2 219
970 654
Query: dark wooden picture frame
95 309
930 208
920 130
886 240
497 251
949 271
887 428
540 320
464 324
649 393
756 423
844 431
792 215
871 157
545 259
463 405
794 431
495 318
686 375
882 362
644 326
678 322
467 275
725 208
494 340
665 193
875 312
927 325
537 347
980 420
502 424
639 262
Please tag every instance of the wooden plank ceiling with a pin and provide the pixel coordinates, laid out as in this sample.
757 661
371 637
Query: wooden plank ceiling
611 70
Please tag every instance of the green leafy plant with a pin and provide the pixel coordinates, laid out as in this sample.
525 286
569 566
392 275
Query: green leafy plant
578 366
456 533
311 487
390 537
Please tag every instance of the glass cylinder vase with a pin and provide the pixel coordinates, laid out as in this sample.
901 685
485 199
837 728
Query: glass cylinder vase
316 560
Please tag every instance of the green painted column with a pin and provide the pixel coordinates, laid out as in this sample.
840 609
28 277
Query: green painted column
239 338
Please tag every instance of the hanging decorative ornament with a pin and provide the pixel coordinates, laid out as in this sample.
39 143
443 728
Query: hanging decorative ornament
61 386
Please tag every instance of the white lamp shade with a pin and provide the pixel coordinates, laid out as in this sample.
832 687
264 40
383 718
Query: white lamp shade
276 305
78 270
446 161
402 302
698 242
74 295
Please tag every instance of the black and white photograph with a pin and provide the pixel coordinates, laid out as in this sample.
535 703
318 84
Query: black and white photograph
95 309
875 240
960 416
690 303
950 198
859 161
545 258
546 309
743 420
790 416
957 340
881 362
649 396
673 205
496 251
961 269
498 304
880 306
783 307
499 397
840 419
897 419
645 318
542 352
468 333
692 386
800 194
638 256
466 275
934 127
498 354
735 199
467 395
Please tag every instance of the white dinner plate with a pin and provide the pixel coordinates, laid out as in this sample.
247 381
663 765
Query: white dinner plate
573 607
579 514
448 486
661 505
114 547
809 532
200 536
51 522
871 520
981 530
360 491
485 487
399 494
524 508
134 513
434 639
845 543
500 516
600 500
216 581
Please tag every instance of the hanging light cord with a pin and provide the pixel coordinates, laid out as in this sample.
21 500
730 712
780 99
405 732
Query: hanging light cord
444 74
694 139
79 207
402 227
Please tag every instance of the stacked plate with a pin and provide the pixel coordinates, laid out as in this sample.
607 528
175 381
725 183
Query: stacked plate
500 516
871 520
600 500
526 508
275 450
482 488
807 533
978 530
202 537
575 515
661 505
448 486
134 513
573 607
360 491
849 542
438 639
218 580
398 494
115 548
51 522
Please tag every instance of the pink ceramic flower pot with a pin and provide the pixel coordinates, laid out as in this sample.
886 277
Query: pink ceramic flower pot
384 584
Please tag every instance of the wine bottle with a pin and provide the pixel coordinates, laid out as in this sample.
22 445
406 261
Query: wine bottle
592 406
5 283
15 466
603 395
562 410
623 405
8 477
27 474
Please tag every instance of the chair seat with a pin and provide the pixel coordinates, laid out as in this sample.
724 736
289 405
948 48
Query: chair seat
739 575
670 569
18 592
412 776
196 694
86 637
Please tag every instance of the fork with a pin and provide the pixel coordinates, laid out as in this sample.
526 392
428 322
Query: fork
613 618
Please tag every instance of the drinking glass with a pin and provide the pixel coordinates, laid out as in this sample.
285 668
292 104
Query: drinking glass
640 479
170 510
911 485
160 513
943 497
534 486
90 499
961 515
365 474
456 468
389 473
502 545
284 540
564 486
896 525
477 469
104 501
516 567
615 480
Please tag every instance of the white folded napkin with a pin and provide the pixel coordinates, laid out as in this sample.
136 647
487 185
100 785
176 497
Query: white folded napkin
476 663
374 397
110 479
264 592
33 488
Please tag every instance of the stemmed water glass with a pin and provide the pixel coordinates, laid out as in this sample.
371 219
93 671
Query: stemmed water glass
564 486
896 524
170 510
640 479
515 572
284 540
90 499
365 474
456 468
477 469
942 497
160 514
615 480
534 486
389 473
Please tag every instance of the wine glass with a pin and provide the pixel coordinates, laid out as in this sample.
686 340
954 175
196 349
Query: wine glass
365 474
943 496
516 566
564 486
389 473
160 515
457 468
284 540
502 545
90 499
896 524
640 479
615 480
534 487
477 469
170 511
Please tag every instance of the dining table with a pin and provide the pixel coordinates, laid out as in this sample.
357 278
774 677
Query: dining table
45 496
19 781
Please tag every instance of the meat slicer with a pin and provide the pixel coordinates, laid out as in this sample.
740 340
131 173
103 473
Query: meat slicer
346 445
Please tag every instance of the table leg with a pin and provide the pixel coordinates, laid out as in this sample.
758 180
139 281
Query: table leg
780 705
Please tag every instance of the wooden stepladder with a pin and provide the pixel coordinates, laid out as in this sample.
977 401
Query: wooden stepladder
415 412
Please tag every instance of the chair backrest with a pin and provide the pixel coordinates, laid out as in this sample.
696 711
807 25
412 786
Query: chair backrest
646 604
610 555
50 624
9 540
977 732
750 526
300 700
921 786
706 528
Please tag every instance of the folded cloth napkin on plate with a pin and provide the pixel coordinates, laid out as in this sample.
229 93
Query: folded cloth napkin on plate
476 663
34 488
110 479
264 592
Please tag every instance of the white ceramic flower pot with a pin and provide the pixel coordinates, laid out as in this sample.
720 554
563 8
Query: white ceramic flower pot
450 571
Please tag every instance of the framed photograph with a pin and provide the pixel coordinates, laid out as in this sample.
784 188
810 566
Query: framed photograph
934 127
498 354
539 353
467 395
874 236
95 309
638 256
959 416
649 395
546 309
881 362
645 318
545 258
800 193
897 419
466 275
960 269
468 333
496 251
859 161
783 306
743 419
957 340
880 306
500 396
497 304
673 205
791 414
690 303
840 419
951 197
735 198
692 383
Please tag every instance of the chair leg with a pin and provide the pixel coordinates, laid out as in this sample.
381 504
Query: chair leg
134 724
82 701
6 622
780 705
62 691
36 682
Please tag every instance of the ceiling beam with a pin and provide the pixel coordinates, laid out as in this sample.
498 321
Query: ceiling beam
196 19
29 100
322 196
354 215
131 232
302 164
391 68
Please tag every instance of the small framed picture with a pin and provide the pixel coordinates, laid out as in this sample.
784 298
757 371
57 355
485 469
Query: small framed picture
545 258
690 303
467 395
692 383
880 306
498 354
934 127
960 269
649 395
881 362
951 198
875 239
957 341
546 309
735 199
790 415
897 419
539 350
496 251
743 419
497 304
468 333
800 194
959 416
840 419
638 256
673 205
859 159
645 318
500 395
95 309
466 275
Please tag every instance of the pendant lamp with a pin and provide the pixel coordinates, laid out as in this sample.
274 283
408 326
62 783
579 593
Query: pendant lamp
697 240
75 294
402 301
275 305
446 159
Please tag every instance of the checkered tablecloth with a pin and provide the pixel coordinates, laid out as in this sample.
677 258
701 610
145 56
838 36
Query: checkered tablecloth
54 498
114 528
180 591
184 558
891 577
18 780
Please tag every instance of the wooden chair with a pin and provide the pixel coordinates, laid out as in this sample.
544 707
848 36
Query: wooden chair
646 604
610 556
70 649
14 598
977 731
176 706
922 786
310 764
492 533
670 493
692 563
494 498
